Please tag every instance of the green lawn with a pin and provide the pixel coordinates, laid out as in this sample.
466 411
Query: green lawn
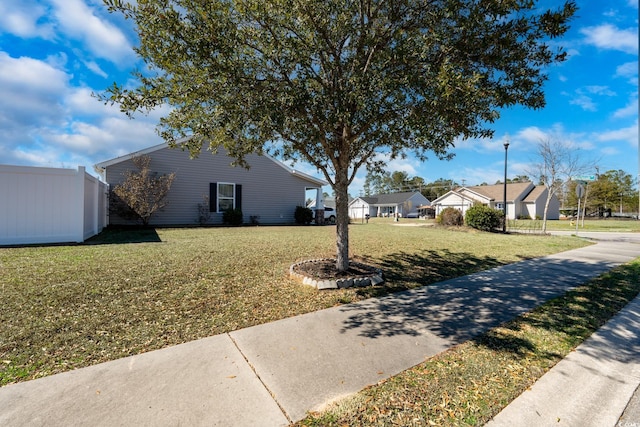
472 382
65 307
615 225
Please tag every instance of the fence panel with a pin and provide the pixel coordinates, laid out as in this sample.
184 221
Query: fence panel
49 205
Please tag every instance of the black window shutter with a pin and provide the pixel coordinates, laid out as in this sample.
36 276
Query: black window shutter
213 197
238 196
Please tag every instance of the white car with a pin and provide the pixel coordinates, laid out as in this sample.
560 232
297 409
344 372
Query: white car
329 214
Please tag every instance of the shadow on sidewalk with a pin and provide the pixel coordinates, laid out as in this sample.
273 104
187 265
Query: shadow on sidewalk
464 307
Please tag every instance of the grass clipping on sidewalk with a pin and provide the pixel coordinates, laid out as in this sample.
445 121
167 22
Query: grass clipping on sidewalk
472 382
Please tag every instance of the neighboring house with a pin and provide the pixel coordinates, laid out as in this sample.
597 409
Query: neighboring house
533 204
524 200
268 192
402 204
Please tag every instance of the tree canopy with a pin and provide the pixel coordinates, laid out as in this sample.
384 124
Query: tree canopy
337 82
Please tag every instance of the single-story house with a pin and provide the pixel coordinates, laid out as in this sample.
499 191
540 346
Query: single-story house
524 200
268 192
392 204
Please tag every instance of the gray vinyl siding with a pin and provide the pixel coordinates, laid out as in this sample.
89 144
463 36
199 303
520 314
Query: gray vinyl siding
268 190
414 201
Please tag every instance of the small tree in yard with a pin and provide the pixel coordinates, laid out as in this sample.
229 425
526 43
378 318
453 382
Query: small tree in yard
142 192
557 162
337 83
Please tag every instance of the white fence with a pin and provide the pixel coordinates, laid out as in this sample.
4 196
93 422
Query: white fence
47 205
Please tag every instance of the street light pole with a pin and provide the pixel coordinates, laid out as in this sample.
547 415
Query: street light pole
504 194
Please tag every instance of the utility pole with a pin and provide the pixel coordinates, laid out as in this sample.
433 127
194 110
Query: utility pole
504 194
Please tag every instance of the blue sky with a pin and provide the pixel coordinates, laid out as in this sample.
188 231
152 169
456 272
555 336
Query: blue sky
55 53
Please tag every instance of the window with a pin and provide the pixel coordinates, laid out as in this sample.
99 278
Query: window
499 206
224 195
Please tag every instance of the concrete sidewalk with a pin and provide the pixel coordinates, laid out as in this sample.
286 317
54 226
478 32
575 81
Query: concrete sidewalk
272 374
591 386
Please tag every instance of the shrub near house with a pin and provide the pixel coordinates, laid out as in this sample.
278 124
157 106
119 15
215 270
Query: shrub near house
450 217
303 215
483 218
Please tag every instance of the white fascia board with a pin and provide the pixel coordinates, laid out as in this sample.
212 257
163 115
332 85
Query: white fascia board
302 175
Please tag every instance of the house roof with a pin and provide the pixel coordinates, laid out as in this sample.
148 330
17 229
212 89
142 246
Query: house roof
100 167
496 192
390 199
534 194
455 192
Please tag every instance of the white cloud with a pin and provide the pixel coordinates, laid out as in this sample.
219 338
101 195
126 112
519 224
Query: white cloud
58 60
600 90
629 69
610 151
627 134
47 122
584 102
630 110
487 174
95 68
479 144
31 74
81 102
408 165
23 19
528 138
572 52
608 36
31 90
532 134
583 99
105 40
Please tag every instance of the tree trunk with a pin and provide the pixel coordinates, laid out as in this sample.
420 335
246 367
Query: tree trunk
546 209
342 220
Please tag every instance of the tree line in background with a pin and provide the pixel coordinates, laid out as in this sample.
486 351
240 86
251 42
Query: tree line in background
613 193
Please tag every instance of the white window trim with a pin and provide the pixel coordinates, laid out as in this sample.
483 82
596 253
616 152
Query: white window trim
225 198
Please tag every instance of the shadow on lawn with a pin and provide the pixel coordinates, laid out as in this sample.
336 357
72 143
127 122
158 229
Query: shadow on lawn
574 316
403 271
122 235
464 307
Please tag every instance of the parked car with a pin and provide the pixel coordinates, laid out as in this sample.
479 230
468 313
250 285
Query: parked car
329 214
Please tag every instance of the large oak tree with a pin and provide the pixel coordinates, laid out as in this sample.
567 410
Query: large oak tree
337 82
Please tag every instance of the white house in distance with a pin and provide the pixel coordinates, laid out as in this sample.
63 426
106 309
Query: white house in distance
268 192
403 204
524 200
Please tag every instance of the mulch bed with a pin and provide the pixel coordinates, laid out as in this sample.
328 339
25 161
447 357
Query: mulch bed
326 269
